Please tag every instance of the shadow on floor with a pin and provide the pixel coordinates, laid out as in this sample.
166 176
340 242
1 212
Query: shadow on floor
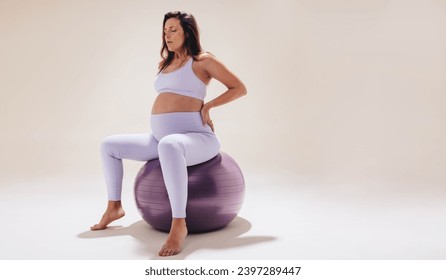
151 239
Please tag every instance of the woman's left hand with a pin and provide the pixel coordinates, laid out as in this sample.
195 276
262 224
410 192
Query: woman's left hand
205 116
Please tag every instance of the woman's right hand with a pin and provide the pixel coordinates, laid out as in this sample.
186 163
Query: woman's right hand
205 116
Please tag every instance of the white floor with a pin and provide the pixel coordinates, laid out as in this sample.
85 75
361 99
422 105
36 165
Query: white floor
282 218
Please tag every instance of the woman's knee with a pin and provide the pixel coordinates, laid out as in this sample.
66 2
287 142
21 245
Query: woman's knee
170 143
108 144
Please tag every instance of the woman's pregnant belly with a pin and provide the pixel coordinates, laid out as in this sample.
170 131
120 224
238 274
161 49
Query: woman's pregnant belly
168 102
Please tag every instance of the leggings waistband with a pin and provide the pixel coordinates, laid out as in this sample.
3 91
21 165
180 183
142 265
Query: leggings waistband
177 122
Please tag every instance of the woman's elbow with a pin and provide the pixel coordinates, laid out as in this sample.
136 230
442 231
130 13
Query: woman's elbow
243 91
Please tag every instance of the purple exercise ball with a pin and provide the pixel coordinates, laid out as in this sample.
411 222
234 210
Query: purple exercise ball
216 190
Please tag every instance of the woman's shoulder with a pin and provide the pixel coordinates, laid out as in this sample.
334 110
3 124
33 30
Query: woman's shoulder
202 56
207 60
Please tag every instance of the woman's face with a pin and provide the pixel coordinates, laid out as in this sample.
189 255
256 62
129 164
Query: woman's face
173 34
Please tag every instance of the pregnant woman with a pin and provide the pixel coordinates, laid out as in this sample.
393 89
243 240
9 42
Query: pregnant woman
182 129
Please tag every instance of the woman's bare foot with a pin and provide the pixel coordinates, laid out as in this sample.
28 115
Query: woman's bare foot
177 234
114 211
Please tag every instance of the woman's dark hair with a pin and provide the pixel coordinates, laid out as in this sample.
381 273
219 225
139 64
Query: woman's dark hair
191 43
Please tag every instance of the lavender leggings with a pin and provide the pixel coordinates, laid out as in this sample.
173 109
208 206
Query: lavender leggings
178 139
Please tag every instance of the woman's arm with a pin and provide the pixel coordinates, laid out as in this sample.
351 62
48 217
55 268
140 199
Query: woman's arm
215 69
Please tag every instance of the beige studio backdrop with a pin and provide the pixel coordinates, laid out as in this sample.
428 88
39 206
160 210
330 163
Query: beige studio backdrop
337 90
343 128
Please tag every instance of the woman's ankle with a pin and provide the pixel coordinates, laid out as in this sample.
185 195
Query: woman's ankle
178 223
114 204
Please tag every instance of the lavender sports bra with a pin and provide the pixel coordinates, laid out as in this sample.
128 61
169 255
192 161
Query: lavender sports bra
182 81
